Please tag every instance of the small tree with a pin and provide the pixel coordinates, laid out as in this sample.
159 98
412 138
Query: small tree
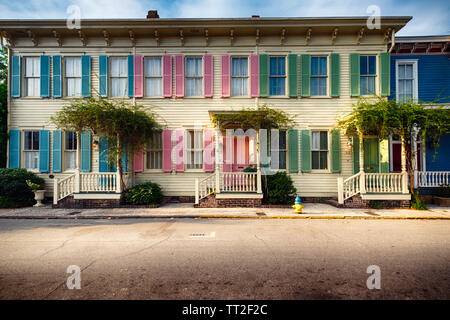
126 126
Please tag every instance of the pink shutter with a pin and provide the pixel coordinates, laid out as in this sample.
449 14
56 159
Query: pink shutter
208 150
138 76
167 150
208 76
139 161
179 76
167 76
227 153
226 76
254 75
179 150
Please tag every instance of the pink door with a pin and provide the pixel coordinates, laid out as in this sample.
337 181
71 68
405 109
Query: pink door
241 153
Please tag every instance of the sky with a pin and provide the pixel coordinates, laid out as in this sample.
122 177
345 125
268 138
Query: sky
430 17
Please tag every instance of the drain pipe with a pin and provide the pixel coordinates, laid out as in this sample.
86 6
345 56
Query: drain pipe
392 40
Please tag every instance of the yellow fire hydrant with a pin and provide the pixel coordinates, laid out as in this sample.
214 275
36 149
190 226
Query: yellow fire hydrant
298 205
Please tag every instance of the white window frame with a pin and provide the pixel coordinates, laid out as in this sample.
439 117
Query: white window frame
285 95
25 77
152 149
414 62
202 77
24 151
153 77
110 77
279 149
71 151
239 77
327 169
375 76
327 94
188 165
66 78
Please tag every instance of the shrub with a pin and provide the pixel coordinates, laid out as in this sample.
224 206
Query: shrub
280 189
443 191
146 193
14 191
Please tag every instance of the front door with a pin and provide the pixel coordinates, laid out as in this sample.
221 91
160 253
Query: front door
371 155
241 153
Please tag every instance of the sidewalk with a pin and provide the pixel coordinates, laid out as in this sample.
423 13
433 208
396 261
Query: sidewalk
186 210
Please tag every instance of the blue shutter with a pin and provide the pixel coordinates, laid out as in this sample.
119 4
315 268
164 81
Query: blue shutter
44 151
45 76
130 76
103 154
16 78
85 151
57 151
125 159
85 76
57 77
14 148
103 72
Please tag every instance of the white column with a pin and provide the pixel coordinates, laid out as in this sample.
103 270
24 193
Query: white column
217 158
76 188
340 184
196 191
258 165
55 190
362 179
404 173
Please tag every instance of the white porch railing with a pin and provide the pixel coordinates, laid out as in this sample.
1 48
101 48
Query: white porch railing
350 186
205 187
384 182
63 187
433 179
98 182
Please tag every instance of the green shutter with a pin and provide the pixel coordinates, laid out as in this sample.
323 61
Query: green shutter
57 78
85 76
130 76
45 76
305 67
354 75
57 151
384 156
44 151
293 150
263 75
306 150
103 154
293 78
356 154
103 72
385 76
14 148
335 70
85 151
335 151
16 78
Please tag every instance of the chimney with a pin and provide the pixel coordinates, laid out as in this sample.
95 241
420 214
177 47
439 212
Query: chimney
255 16
152 14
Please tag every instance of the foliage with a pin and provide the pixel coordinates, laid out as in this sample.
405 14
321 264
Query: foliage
33 186
14 191
146 193
281 189
443 191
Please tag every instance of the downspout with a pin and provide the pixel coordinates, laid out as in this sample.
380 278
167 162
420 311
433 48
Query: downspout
392 40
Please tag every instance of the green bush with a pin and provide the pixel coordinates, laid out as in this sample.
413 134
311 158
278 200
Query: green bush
443 191
280 189
146 193
14 191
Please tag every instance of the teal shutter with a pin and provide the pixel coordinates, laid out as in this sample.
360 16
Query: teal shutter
355 154
85 151
16 76
14 148
306 74
125 159
44 151
263 75
103 154
335 70
45 76
103 72
306 150
293 150
354 75
385 76
57 151
85 76
335 151
130 76
293 78
57 77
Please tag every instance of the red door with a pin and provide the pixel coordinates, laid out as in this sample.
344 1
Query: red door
241 153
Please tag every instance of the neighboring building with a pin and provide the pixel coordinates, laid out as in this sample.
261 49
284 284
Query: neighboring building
312 68
420 70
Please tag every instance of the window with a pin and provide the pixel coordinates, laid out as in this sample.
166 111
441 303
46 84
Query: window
194 77
70 150
154 151
368 72
153 77
277 76
194 149
239 77
319 76
319 150
31 150
406 80
282 150
32 77
73 77
119 77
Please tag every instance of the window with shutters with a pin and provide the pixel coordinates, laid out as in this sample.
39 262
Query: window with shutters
72 68
154 152
153 76
282 150
319 150
118 77
194 149
277 76
193 77
70 150
406 76
368 74
32 77
239 77
319 76
31 150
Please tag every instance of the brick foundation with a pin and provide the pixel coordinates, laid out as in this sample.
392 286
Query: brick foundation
212 202
70 202
357 202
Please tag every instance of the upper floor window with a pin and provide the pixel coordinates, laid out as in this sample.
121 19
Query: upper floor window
153 77
70 150
73 77
194 149
368 73
194 77
239 77
32 76
154 151
406 81
119 77
277 76
319 150
31 149
319 76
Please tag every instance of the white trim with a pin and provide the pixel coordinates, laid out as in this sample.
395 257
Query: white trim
414 62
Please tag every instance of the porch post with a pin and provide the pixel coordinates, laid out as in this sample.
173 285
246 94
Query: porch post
404 173
416 155
258 165
362 179
217 159
76 188
118 182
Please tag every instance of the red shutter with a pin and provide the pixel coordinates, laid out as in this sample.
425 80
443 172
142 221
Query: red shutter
138 76
208 75
226 70
254 75
167 76
167 150
208 150
139 161
179 76
179 150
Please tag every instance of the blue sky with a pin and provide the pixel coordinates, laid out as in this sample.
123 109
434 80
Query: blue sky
431 17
